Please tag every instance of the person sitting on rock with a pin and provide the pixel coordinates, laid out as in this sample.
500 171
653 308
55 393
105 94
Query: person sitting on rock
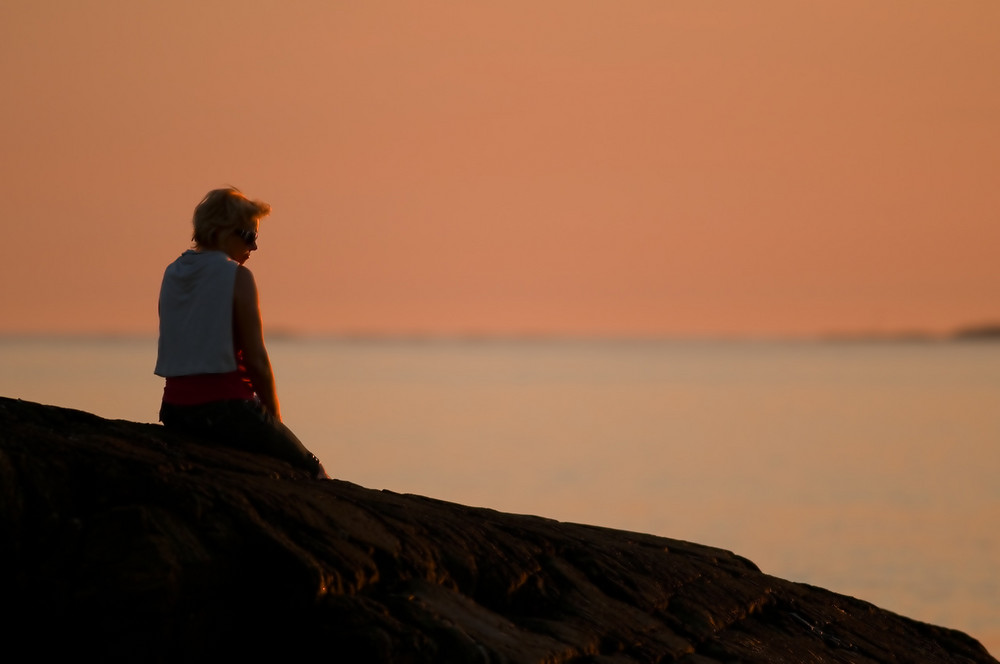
219 381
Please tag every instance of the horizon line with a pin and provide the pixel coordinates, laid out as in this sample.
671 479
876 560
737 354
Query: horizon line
985 331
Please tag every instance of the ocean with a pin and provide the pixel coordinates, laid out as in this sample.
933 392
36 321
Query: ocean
870 468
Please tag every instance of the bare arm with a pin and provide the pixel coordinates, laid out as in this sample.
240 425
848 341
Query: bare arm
248 333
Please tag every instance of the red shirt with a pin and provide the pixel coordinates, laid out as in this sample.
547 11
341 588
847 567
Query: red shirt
206 388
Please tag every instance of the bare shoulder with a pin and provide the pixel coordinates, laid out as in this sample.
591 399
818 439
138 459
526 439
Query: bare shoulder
243 273
245 287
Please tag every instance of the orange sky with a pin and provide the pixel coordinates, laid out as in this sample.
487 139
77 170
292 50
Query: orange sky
570 166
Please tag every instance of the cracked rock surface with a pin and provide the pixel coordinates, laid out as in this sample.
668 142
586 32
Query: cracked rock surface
121 541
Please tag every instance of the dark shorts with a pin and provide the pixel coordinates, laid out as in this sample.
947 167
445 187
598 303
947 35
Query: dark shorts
241 424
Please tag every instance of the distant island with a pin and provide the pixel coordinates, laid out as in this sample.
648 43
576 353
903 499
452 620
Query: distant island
986 332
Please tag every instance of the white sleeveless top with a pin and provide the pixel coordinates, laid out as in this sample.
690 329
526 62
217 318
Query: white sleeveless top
196 315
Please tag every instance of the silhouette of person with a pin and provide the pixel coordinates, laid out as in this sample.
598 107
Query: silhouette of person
219 382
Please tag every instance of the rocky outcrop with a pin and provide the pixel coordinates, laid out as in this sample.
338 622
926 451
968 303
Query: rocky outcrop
123 542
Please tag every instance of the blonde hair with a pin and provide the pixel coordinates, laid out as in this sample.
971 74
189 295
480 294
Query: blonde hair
224 209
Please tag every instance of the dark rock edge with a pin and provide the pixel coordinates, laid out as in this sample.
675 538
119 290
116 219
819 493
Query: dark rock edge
124 542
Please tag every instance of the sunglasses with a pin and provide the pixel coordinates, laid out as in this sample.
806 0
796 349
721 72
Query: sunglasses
246 235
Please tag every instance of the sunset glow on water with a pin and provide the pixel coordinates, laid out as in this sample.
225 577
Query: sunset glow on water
865 468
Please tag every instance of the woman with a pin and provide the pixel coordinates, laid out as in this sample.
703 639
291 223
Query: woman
219 382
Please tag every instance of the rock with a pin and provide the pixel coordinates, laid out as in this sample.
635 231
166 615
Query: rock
124 542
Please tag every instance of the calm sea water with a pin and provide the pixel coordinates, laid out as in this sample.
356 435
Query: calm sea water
868 468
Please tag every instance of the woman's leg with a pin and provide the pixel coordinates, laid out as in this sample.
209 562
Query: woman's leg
244 425
260 431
